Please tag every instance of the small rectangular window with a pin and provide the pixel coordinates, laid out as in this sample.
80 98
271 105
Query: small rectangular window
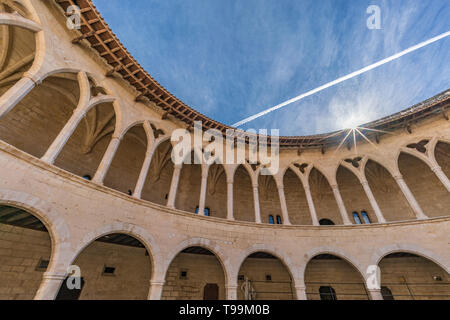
183 274
268 277
241 277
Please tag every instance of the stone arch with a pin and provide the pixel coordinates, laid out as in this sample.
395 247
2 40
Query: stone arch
127 163
243 201
104 248
442 155
345 267
188 195
135 231
382 252
283 261
353 195
386 191
220 256
216 191
158 180
86 146
269 200
323 196
296 201
41 114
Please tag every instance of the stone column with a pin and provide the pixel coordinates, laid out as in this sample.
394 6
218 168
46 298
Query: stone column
312 208
301 292
58 144
375 294
144 172
15 94
340 204
174 186
231 291
50 285
203 187
410 197
106 161
230 203
373 201
256 204
441 176
156 289
284 210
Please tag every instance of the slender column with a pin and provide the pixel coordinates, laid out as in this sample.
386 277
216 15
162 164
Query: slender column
230 201
410 197
442 176
340 204
144 172
58 144
231 292
174 186
256 204
375 294
373 201
312 208
284 210
156 289
301 292
50 285
203 186
106 161
15 94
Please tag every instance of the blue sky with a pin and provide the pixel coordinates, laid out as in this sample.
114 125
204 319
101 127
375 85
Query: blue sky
230 59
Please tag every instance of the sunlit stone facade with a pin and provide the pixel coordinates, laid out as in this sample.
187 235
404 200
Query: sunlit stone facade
87 180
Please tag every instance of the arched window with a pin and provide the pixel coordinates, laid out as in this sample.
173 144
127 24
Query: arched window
326 222
279 221
271 220
357 218
206 211
365 217
387 293
327 293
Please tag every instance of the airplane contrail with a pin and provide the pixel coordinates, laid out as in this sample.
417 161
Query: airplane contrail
344 78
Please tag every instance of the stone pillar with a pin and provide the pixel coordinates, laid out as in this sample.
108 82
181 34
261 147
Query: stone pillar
375 294
15 94
203 187
230 203
373 201
301 292
106 161
50 285
256 204
231 291
156 289
174 186
312 208
143 175
341 205
58 144
410 198
284 210
442 176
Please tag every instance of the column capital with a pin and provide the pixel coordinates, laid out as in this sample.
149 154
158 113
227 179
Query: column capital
436 168
364 182
398 176
157 283
57 276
